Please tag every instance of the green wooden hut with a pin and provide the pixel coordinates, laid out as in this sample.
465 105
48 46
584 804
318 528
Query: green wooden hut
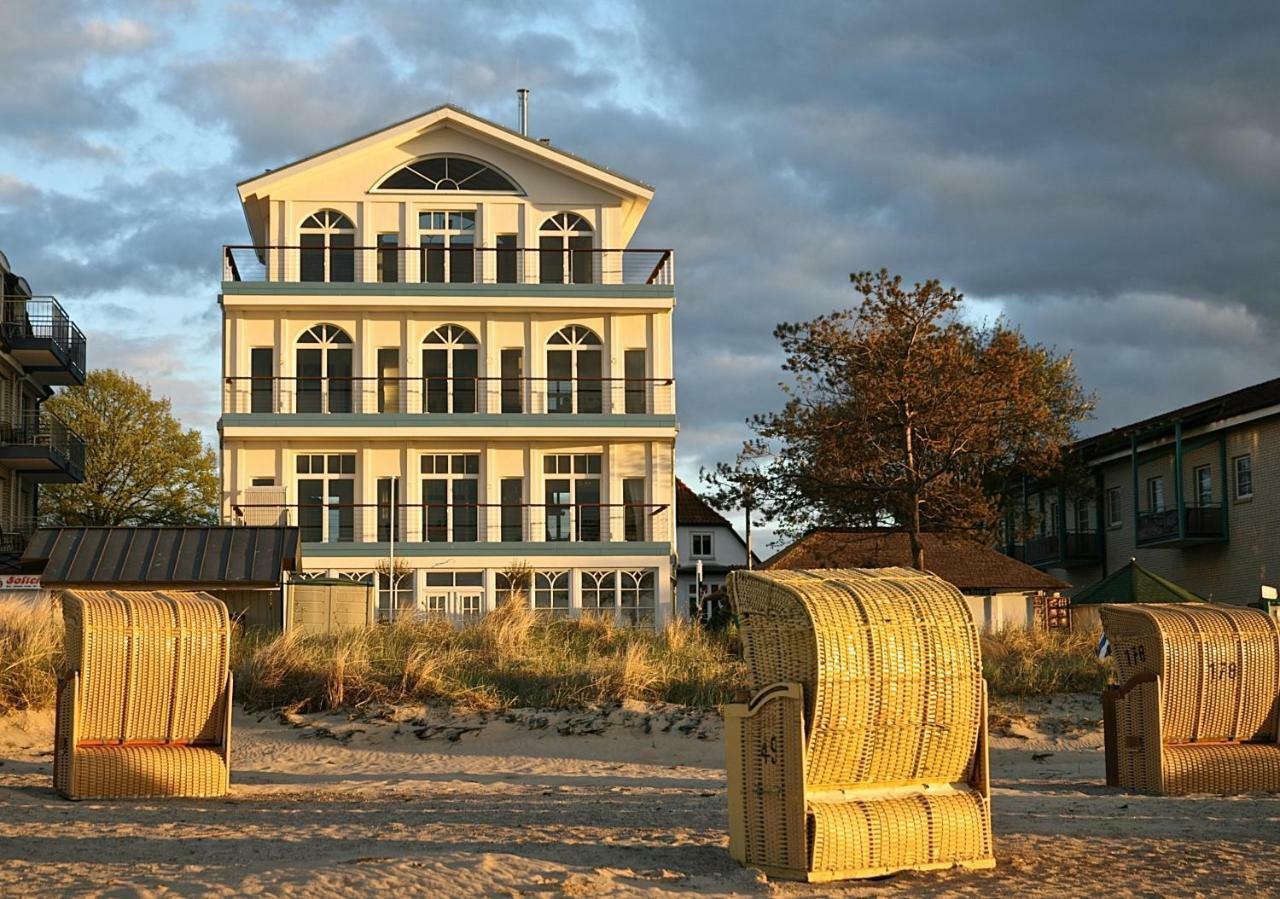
1129 583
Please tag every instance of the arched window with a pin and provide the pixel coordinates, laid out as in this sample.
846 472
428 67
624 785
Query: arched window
565 253
574 371
450 365
449 173
327 240
324 369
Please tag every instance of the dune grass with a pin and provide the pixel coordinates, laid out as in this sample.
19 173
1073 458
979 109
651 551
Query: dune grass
1019 662
511 657
30 654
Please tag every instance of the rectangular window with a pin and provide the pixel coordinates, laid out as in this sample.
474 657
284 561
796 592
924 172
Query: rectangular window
263 482
701 546
1244 476
508 258
450 498
388 258
342 257
311 257
448 246
513 380
1082 517
1113 507
599 594
511 585
633 511
1155 494
395 600
389 521
1203 477
512 510
636 392
1049 522
389 380
262 380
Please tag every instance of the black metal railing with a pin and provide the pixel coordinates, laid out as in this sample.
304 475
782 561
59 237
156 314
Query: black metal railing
467 264
448 395
42 430
570 522
1072 546
1204 521
26 319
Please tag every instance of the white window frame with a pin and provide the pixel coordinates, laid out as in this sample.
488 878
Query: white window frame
1155 490
693 545
1235 475
570 471
545 585
1115 512
1203 498
449 476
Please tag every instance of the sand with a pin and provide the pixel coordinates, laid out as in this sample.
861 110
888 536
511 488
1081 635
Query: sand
408 802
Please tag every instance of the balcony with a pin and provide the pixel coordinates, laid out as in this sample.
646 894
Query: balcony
40 447
447 268
1186 526
452 398
1065 550
456 527
41 336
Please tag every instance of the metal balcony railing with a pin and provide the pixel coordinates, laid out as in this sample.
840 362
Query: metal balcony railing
336 264
28 322
338 522
1073 546
47 436
448 396
1205 521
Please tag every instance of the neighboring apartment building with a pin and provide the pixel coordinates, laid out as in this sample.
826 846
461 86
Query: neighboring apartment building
40 348
703 535
438 350
1192 494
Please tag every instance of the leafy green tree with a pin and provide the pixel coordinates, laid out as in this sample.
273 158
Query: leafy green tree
902 414
141 466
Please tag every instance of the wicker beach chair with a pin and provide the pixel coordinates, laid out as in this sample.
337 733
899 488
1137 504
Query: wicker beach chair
145 707
863 748
1196 709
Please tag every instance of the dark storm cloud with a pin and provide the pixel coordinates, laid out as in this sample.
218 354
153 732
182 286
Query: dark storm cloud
1108 174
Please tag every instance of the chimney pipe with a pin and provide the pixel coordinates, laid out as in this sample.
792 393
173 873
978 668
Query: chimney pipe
523 94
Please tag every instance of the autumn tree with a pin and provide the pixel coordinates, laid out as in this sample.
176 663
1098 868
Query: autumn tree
141 466
902 414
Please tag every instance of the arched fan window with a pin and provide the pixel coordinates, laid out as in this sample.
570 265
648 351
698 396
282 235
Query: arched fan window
324 370
449 173
450 364
565 252
574 368
327 240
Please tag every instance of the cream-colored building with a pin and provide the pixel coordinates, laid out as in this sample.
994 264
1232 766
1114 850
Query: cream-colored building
40 348
1192 494
442 359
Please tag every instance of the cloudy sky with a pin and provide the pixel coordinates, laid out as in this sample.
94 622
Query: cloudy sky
1106 175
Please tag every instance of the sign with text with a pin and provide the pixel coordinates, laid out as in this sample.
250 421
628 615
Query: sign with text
19 582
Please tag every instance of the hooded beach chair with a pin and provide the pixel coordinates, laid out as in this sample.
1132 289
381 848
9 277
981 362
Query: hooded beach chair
863 748
1196 710
145 707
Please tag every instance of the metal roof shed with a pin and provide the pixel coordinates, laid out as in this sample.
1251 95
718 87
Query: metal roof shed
146 557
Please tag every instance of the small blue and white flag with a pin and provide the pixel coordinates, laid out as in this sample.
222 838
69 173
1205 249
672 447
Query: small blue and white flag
1104 646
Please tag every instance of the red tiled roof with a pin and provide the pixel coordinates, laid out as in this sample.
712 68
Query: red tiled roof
970 566
692 509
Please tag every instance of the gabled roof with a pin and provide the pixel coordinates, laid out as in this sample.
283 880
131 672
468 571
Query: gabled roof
692 509
970 566
1133 583
456 114
1227 405
205 557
